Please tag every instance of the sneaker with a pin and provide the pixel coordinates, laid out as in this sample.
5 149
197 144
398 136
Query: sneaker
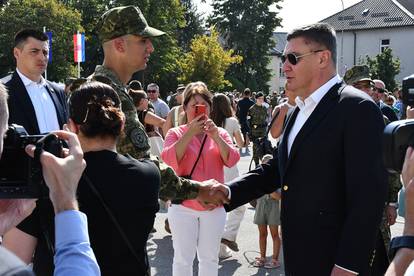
230 244
167 226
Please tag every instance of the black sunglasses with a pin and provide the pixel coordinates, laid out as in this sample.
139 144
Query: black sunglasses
294 59
151 91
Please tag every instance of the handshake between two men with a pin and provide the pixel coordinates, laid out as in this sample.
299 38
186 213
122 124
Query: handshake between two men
212 194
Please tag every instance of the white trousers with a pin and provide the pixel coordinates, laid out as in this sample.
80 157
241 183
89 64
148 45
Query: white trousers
196 231
234 219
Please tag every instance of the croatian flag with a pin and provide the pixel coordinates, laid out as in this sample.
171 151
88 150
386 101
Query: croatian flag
79 47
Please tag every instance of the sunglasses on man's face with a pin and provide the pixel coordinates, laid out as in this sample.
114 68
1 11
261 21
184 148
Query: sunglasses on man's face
294 59
151 91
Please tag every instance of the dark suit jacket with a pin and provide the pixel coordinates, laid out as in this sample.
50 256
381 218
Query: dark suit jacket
10 265
21 110
333 185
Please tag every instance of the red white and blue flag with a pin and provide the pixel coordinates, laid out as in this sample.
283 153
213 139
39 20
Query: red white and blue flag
79 47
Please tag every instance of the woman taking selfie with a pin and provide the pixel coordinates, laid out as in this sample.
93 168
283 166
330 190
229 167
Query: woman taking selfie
200 150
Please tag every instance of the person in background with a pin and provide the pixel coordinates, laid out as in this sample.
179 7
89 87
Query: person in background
267 214
222 116
160 107
176 116
198 150
149 119
243 106
282 111
257 118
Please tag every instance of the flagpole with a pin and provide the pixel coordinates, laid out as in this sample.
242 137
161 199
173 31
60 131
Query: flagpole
78 60
44 31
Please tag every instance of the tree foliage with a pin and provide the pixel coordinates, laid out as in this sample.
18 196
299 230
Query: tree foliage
56 17
247 28
385 67
207 61
193 27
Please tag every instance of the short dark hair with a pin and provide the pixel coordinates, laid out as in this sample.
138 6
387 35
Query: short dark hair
320 33
22 35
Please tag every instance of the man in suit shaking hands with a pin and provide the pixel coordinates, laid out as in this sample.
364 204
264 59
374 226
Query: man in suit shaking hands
34 102
328 164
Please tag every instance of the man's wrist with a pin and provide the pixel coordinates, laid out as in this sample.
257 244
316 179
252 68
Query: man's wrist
61 205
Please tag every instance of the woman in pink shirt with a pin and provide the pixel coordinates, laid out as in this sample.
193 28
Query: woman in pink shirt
194 228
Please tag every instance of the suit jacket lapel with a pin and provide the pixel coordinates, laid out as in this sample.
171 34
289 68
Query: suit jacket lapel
20 92
321 110
57 103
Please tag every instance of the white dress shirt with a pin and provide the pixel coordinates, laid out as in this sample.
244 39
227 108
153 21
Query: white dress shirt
307 106
42 103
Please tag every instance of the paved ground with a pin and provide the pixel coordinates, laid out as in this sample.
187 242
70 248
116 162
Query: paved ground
161 253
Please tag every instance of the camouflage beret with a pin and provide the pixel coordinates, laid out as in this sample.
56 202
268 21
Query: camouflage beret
122 21
357 73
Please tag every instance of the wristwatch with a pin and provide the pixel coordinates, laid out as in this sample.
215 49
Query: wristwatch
400 242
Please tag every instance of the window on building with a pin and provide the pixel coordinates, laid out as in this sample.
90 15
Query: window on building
281 74
385 43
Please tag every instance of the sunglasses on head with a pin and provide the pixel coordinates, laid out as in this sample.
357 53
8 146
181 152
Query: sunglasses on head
294 59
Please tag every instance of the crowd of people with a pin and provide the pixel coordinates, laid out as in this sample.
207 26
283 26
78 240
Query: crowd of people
324 187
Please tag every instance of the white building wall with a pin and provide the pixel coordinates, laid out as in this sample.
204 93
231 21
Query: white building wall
368 43
276 81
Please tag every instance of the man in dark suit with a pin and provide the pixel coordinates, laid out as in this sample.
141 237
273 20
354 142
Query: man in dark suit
40 107
34 102
328 164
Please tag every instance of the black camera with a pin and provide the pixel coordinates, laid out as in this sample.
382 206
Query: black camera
408 91
399 135
20 175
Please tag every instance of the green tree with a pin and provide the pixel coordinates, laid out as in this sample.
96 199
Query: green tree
247 27
385 67
207 61
62 21
194 25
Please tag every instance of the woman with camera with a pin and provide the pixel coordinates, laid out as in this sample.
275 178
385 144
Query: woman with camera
118 194
200 150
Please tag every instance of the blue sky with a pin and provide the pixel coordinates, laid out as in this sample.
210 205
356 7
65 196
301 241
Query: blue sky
298 12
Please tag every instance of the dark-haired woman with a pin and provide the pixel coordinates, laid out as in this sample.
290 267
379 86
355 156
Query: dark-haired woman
149 119
128 188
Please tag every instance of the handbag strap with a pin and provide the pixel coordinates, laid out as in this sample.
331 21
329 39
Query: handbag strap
199 154
116 224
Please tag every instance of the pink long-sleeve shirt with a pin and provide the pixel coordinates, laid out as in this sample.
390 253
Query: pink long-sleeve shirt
209 166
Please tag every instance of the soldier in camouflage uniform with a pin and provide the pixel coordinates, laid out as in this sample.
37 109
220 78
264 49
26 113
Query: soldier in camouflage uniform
359 77
256 117
274 100
126 41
